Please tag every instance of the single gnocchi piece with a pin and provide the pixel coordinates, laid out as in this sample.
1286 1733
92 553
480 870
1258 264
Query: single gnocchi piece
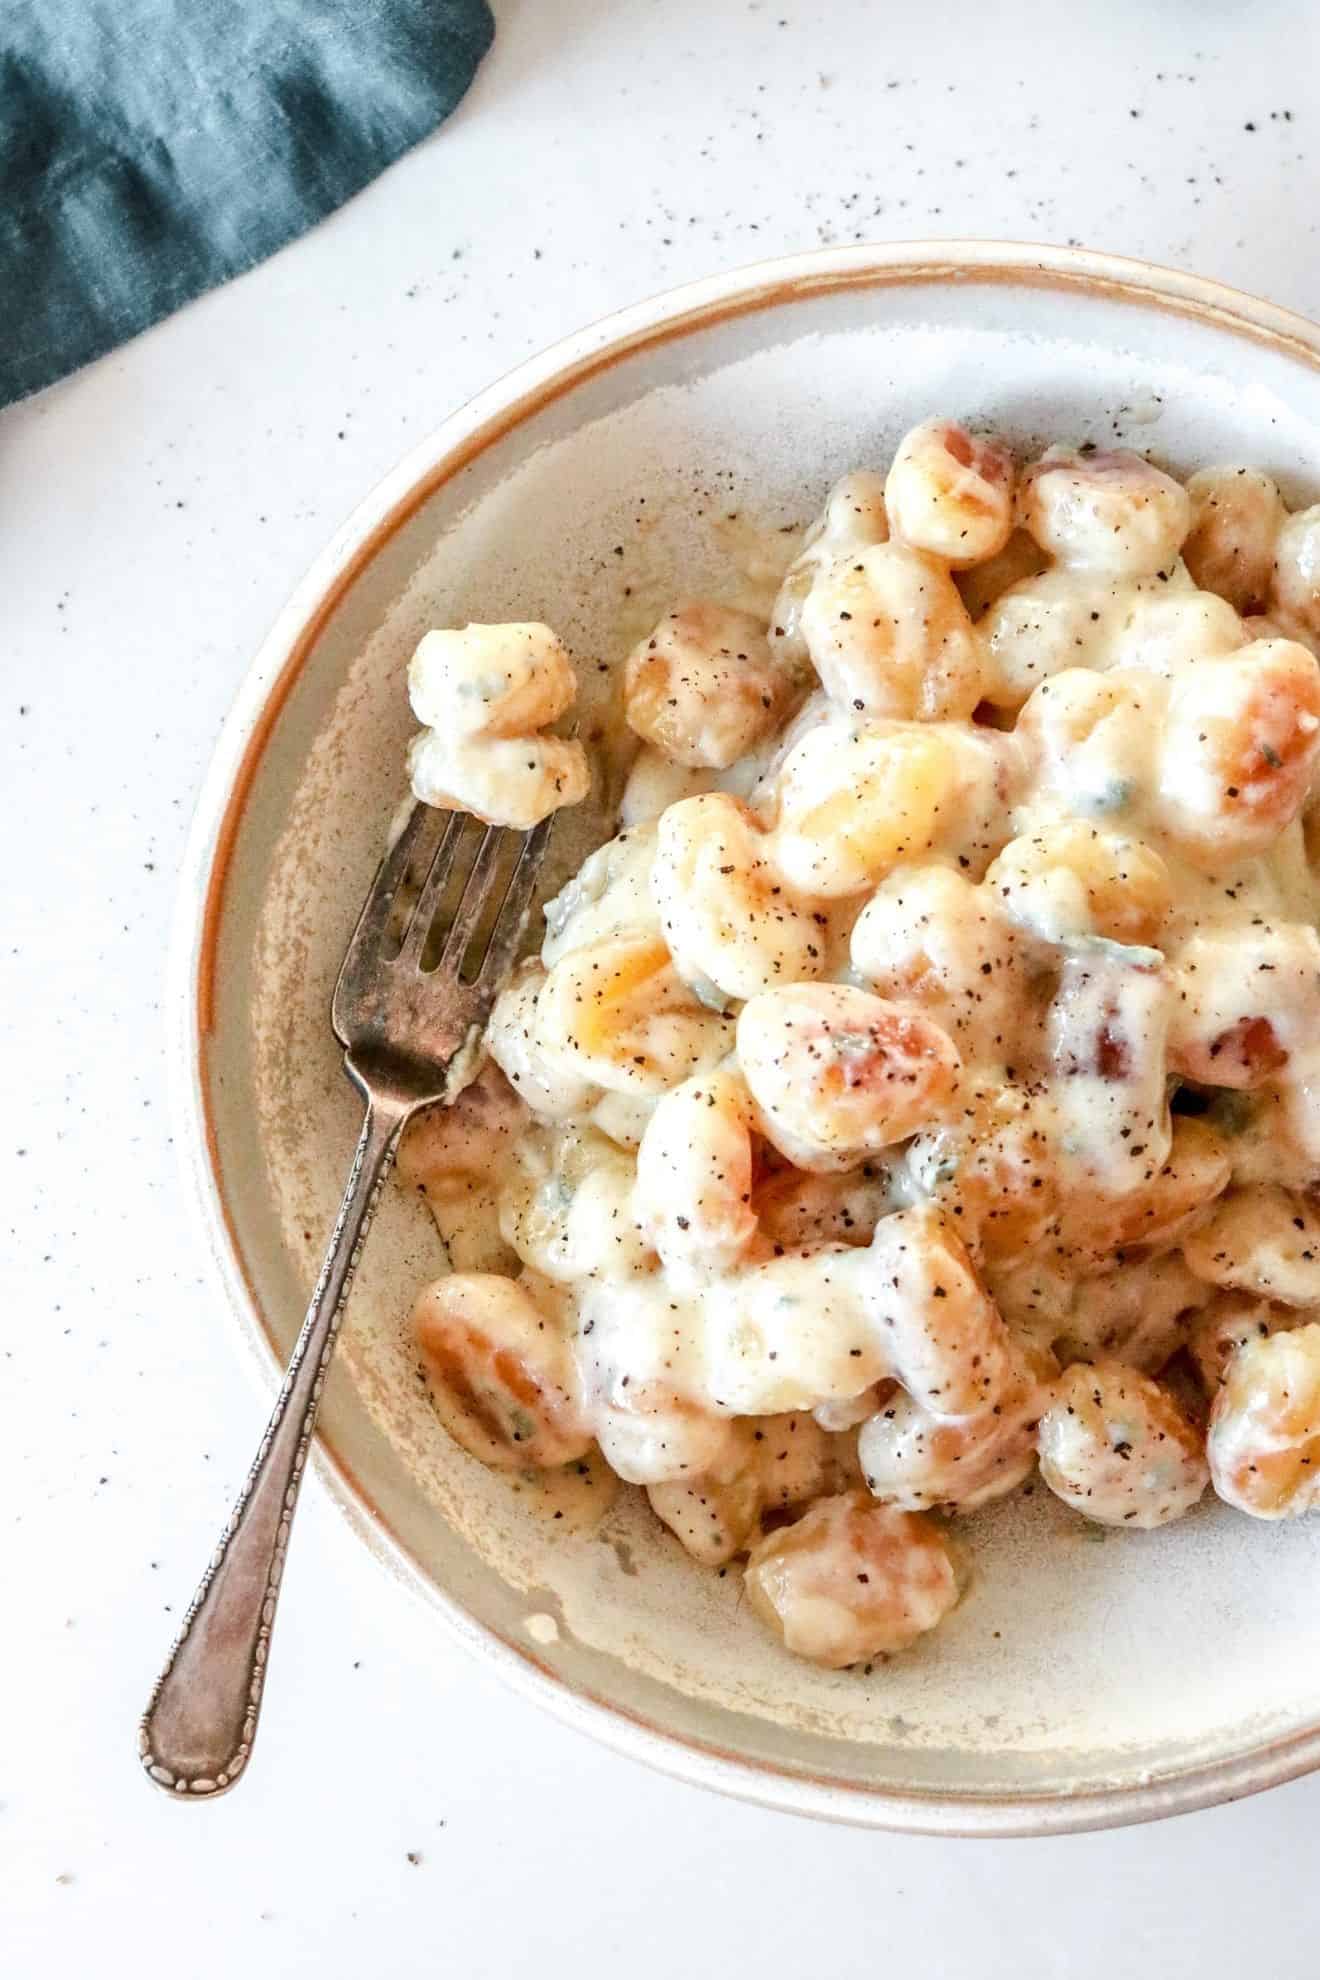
838 1074
1076 879
919 1462
647 1437
852 520
792 1332
1116 1448
890 638
500 781
1240 750
617 1013
855 804
852 1580
950 494
929 937
1295 581
641 1356
1110 512
732 923
1264 1438
506 681
704 687
1048 622
714 1517
1169 628
514 1043
500 1372
1247 999
778 1462
1230 1322
1092 741
610 894
1264 1241
694 1176
945 1338
485 694
566 1202
1237 514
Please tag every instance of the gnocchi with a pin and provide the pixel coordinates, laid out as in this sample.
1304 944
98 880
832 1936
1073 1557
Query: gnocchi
923 1084
1264 1437
852 1580
1110 512
837 1074
732 924
704 688
950 494
890 638
1116 1448
486 696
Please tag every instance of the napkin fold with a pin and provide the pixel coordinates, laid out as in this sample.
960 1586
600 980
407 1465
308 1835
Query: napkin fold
150 149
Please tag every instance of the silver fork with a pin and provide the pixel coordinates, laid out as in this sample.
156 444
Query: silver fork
401 1027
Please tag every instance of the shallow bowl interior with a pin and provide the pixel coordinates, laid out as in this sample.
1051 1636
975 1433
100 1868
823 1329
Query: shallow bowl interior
1085 1678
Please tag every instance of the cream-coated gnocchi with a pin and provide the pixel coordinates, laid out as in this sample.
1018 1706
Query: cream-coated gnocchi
889 637
732 923
1237 514
913 1459
775 1462
951 494
852 520
928 936
486 695
1264 1440
1116 1447
854 803
852 1579
1263 1240
924 1082
837 1074
618 1013
694 1176
1294 597
1110 512
704 688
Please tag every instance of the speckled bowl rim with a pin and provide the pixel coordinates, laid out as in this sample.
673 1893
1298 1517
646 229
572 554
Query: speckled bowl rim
520 395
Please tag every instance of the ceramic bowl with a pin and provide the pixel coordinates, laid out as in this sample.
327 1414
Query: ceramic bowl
1087 1678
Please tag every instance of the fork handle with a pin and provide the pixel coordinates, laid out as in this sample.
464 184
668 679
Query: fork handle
198 1728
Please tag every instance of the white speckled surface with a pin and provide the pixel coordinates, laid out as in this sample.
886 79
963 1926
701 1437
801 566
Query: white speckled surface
154 512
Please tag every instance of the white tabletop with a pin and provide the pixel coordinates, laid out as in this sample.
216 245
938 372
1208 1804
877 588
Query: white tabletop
405 1816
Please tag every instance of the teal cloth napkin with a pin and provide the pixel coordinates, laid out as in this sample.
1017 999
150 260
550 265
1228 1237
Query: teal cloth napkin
150 149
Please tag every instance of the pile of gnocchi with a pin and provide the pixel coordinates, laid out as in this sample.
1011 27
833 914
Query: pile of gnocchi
921 1091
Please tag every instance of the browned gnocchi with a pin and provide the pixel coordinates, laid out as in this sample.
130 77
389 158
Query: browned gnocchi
852 1579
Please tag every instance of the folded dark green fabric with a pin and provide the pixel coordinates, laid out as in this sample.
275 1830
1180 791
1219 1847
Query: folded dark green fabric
150 149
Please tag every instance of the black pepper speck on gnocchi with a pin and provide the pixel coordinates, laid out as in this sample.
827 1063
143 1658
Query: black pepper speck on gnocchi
921 1091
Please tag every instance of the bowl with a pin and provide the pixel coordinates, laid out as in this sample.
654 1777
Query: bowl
1086 1679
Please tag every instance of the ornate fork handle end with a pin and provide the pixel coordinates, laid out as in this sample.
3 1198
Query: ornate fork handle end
197 1731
